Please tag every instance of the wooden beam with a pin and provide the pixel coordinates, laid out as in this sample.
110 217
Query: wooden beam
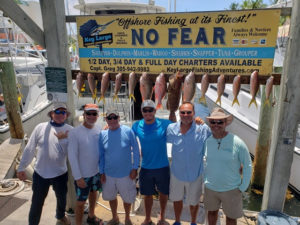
286 122
13 11
245 79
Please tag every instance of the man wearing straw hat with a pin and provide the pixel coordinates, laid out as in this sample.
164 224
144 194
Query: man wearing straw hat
225 154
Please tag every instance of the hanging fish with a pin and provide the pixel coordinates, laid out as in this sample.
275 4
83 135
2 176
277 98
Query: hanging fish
92 84
204 87
236 86
220 87
160 89
104 85
189 87
146 87
174 93
132 82
118 83
79 83
268 89
254 85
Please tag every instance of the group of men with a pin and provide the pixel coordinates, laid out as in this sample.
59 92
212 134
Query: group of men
200 153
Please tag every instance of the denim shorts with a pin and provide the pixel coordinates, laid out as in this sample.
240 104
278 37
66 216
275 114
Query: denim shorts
153 180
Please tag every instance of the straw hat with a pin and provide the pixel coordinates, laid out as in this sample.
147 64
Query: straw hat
219 114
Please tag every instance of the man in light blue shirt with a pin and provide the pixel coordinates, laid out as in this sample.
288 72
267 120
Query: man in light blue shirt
187 140
117 167
225 153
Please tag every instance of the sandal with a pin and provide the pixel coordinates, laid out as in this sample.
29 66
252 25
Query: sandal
94 220
113 222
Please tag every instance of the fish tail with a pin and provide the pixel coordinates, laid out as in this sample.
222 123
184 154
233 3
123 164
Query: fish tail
101 98
159 106
116 98
219 100
253 100
202 100
235 100
267 102
131 96
172 116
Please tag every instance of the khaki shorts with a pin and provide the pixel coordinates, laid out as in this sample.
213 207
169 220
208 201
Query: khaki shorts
124 186
232 202
190 191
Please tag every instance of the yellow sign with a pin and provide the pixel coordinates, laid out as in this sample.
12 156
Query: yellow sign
229 42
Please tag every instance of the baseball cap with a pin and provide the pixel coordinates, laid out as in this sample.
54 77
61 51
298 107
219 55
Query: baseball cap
58 105
148 103
111 111
91 107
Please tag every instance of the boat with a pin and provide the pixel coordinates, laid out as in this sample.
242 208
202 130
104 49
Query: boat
29 65
246 121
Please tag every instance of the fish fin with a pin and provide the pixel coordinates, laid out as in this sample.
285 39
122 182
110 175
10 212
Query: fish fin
116 98
267 102
159 106
253 100
131 96
219 100
235 100
202 100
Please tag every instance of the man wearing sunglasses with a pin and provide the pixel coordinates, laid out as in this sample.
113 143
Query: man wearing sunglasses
155 172
117 167
48 143
225 153
83 152
187 139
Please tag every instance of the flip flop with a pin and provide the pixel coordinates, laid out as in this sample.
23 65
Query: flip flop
113 222
94 221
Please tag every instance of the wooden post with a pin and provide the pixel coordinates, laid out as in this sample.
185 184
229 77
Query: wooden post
287 120
263 142
8 81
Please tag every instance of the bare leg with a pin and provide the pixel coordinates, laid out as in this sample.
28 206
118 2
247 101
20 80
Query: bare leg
79 212
230 221
148 200
127 207
178 205
212 217
114 205
163 200
92 203
194 211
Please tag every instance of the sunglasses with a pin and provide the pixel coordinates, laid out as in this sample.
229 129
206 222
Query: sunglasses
186 112
219 122
57 112
112 117
148 110
91 113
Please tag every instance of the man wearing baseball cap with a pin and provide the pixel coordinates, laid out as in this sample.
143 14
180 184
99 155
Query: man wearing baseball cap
224 155
155 171
118 170
83 155
48 142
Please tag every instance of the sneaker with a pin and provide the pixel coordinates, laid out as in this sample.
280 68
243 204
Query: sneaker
65 220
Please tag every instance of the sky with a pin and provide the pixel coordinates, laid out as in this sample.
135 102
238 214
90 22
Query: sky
186 5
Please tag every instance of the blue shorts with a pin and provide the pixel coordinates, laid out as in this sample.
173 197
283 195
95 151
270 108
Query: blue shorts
93 184
153 180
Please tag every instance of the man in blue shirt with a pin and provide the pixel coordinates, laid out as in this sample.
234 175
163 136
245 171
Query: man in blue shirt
225 153
118 172
155 172
187 140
